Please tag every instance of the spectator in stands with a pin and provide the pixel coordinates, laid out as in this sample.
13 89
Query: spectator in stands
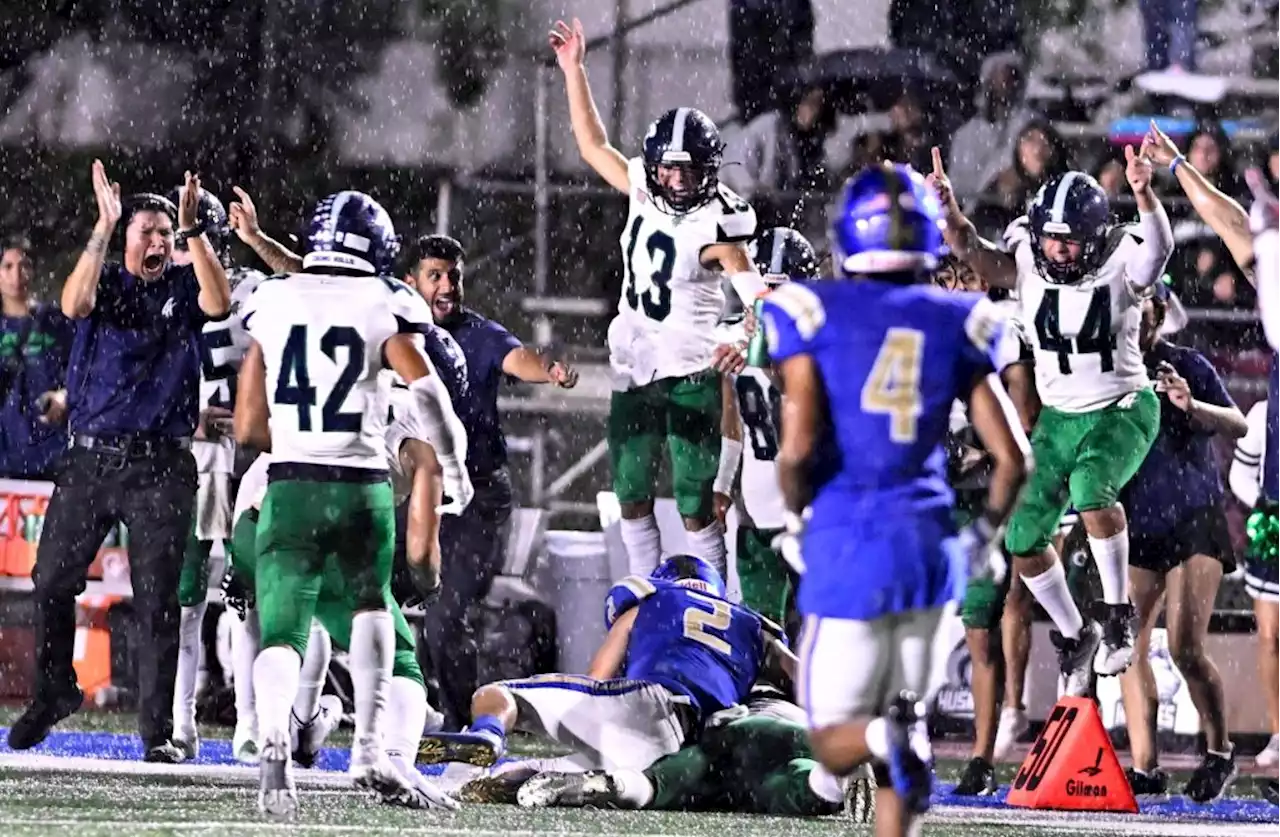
1209 150
981 147
35 342
1179 550
782 150
1039 153
766 39
908 139
961 33
1110 176
471 544
1170 29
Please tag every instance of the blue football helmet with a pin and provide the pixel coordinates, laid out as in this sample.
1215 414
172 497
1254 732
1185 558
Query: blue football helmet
351 231
679 568
687 139
782 253
887 221
1070 206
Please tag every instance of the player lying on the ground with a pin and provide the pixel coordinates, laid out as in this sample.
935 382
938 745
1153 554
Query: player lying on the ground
871 362
322 337
754 758
1080 282
685 231
749 427
677 652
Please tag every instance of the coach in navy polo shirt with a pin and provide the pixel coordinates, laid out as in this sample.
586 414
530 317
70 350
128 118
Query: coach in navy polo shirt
1179 548
471 545
132 395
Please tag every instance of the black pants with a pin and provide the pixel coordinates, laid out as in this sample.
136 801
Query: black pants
151 495
472 551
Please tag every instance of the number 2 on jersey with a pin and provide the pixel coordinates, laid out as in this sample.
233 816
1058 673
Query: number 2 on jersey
699 623
893 387
294 384
1095 335
759 415
662 257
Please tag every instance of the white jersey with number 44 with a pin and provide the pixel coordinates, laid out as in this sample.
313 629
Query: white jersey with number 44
1085 334
322 338
671 302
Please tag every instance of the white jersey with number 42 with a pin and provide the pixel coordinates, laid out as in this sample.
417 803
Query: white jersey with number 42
671 302
1084 335
322 339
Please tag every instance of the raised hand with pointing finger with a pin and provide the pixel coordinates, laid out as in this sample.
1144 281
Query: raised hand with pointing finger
941 183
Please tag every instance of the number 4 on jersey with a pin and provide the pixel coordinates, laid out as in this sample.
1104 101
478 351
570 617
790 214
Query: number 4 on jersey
893 387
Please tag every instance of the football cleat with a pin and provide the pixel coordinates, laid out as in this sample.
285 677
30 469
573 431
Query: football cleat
1075 658
309 737
477 748
277 794
593 789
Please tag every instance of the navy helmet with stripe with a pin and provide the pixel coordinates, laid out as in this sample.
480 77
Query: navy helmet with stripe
887 222
1071 206
685 139
351 231
782 253
688 568
212 220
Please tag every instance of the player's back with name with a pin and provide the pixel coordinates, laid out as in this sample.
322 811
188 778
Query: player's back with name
694 643
892 359
322 338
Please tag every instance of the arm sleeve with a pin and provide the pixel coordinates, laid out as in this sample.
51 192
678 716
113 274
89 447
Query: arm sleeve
1247 459
793 317
1266 251
1146 264
990 341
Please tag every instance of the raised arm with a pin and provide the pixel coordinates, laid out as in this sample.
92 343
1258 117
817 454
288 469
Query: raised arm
215 290
1224 216
243 217
80 290
1147 265
996 267
570 46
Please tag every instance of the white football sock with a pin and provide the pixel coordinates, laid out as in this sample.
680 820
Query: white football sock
633 787
275 682
184 686
644 544
373 639
877 737
405 718
244 651
1111 556
826 786
1051 591
315 670
708 544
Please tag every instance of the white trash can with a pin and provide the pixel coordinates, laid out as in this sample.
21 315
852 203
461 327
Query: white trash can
580 580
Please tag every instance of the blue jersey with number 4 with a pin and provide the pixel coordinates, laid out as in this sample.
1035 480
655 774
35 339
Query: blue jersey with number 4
694 643
891 359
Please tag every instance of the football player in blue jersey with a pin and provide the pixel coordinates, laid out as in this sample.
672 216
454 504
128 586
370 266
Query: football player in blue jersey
871 362
677 652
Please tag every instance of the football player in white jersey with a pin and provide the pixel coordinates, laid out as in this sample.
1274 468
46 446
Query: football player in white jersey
223 344
684 232
310 393
752 405
1080 282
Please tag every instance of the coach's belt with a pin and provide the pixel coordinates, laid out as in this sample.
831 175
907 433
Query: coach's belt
130 446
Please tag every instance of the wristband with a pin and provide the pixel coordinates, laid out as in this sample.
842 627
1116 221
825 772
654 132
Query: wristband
1175 162
730 457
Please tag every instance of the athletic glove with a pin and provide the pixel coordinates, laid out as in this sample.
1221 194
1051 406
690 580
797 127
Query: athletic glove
979 542
235 594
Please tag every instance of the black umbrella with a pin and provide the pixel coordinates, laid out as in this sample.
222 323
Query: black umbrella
858 80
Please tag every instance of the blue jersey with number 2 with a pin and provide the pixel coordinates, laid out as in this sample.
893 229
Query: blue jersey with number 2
891 359
694 643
